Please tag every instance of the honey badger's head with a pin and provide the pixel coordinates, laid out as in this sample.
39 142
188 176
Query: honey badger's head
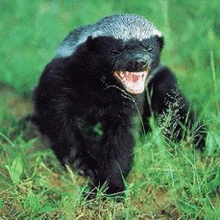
131 45
130 62
127 47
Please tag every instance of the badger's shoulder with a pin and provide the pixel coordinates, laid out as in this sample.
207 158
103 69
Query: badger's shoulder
75 38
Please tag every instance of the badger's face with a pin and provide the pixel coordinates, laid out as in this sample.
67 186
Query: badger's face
130 62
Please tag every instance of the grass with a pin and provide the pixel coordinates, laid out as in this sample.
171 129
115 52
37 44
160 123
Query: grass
168 180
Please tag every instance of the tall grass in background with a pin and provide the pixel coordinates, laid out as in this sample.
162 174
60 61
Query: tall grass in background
168 180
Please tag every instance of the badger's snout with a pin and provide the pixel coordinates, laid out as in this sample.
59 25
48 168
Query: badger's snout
137 63
133 62
132 70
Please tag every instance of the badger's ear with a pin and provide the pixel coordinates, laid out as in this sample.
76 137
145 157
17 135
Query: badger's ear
160 40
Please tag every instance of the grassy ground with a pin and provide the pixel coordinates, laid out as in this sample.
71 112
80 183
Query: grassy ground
168 181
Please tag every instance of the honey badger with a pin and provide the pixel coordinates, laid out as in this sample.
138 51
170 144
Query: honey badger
101 77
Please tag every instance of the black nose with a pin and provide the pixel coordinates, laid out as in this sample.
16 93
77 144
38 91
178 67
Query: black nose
137 64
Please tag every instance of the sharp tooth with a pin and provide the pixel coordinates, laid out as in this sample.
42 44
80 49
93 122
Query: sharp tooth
122 74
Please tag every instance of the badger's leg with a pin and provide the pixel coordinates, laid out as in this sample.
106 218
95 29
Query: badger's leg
166 100
114 160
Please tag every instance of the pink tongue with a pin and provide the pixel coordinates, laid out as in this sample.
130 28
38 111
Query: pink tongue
131 77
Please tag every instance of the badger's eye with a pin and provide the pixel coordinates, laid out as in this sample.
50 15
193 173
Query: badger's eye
149 49
115 52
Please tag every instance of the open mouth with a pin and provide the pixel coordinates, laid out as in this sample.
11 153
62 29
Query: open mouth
134 82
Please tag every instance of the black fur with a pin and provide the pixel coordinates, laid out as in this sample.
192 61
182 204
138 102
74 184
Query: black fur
79 93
